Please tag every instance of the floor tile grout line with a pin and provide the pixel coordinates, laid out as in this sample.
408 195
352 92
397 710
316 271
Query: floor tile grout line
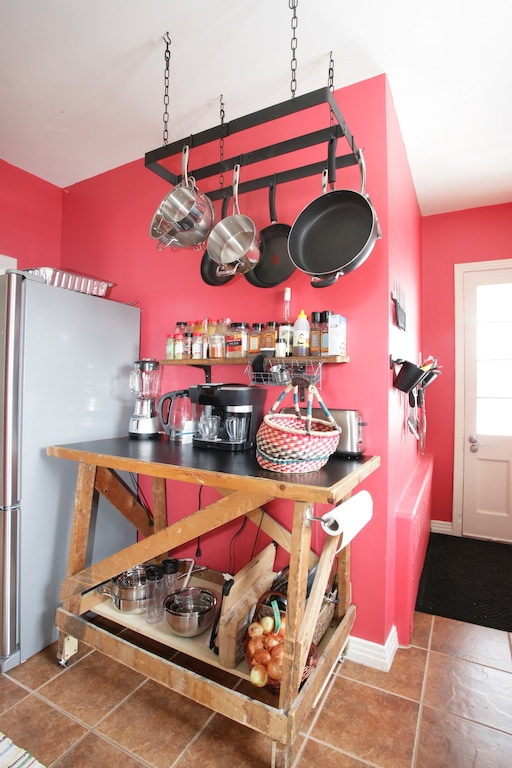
193 740
419 720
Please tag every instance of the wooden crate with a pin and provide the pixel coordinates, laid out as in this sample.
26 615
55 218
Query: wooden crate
237 607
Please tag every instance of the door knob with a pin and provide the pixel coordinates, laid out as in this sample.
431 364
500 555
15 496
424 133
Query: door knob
474 439
473 448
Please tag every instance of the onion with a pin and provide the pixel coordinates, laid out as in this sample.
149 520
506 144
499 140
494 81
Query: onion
267 622
261 657
259 675
255 629
282 628
254 644
277 651
275 669
271 641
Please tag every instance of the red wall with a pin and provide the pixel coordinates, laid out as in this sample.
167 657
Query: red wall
480 234
105 223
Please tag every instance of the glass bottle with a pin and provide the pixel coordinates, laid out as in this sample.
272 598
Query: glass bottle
324 322
170 571
155 596
254 341
315 334
286 327
269 335
169 347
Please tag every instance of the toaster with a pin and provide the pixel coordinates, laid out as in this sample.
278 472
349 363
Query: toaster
351 442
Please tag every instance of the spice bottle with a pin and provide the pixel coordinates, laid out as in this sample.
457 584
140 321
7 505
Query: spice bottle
197 345
254 341
286 327
169 347
301 331
269 335
179 346
315 335
155 595
324 323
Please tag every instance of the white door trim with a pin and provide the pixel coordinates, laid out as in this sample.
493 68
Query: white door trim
458 449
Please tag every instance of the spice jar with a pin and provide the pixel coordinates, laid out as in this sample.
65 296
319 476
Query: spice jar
269 335
236 340
254 341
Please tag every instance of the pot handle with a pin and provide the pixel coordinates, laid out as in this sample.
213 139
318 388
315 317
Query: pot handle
104 589
323 282
236 180
184 165
362 170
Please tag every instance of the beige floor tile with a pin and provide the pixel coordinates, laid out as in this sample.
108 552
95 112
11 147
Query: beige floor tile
369 724
225 743
404 678
470 690
95 752
473 643
10 693
44 666
447 741
421 629
155 724
90 689
40 729
316 755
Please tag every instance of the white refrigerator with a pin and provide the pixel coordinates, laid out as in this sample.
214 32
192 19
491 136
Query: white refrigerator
65 360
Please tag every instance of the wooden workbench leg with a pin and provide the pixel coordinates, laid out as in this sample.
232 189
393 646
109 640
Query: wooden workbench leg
77 553
344 583
282 755
159 504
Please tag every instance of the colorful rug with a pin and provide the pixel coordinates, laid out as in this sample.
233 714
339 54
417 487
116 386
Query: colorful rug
12 756
468 580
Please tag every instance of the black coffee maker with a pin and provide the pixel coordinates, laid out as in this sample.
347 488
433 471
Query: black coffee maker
228 415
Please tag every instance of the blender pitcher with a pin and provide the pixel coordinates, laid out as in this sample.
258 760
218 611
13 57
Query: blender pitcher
144 383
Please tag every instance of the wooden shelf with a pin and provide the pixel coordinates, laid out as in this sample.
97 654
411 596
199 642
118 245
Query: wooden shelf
247 360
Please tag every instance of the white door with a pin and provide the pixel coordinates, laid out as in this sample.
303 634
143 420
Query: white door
483 413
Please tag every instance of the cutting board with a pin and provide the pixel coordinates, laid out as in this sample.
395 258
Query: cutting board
237 607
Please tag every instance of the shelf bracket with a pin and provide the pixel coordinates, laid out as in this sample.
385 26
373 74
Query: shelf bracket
207 371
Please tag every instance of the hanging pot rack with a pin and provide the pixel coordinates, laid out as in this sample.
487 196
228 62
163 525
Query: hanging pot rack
337 128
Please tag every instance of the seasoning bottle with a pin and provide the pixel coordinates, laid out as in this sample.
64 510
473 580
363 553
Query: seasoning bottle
155 596
315 334
324 324
169 347
197 345
235 340
187 352
179 346
269 335
286 327
170 572
254 341
301 330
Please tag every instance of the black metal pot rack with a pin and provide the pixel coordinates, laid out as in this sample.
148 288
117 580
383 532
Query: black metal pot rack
293 106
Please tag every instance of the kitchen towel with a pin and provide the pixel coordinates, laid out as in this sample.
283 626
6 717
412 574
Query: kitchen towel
348 518
12 756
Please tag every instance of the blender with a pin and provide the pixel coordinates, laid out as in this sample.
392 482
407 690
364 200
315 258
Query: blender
144 383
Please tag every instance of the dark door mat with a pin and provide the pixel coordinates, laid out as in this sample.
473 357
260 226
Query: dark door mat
468 580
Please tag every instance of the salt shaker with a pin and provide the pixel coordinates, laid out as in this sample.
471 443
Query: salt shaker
155 596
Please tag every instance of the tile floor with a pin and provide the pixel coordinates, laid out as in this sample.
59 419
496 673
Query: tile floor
446 703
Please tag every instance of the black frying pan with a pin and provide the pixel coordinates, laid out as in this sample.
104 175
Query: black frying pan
335 233
208 265
274 266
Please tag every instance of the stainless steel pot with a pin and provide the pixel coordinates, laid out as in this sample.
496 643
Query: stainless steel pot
190 612
234 241
128 590
185 217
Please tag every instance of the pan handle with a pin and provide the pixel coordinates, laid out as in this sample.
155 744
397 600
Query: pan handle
331 161
272 201
362 170
184 165
324 282
236 180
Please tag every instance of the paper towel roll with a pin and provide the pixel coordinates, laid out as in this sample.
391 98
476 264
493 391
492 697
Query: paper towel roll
348 518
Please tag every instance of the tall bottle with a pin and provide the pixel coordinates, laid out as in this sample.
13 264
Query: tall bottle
315 336
155 611
301 331
286 327
170 571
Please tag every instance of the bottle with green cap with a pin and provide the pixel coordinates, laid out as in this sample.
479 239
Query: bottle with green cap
301 331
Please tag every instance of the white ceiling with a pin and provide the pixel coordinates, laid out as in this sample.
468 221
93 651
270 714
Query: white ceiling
81 81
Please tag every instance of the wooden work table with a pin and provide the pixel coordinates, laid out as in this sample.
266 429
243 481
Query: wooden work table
244 490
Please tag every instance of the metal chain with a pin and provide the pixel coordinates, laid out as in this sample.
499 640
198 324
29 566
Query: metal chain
292 4
167 41
330 83
221 153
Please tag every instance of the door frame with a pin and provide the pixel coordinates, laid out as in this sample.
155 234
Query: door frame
459 444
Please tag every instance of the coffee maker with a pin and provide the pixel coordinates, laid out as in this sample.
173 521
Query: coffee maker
144 383
229 415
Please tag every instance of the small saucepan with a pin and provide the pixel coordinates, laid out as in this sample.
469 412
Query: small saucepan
233 242
188 213
335 233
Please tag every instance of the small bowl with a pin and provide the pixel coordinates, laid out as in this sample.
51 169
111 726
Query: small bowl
191 611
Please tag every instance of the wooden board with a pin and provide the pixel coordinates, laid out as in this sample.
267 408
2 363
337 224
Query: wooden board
237 607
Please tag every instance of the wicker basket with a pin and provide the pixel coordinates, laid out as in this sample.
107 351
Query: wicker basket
313 654
295 443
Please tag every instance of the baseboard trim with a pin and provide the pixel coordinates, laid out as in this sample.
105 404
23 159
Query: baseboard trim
441 526
371 654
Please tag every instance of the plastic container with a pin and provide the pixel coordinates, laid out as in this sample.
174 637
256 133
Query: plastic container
170 571
301 333
155 596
